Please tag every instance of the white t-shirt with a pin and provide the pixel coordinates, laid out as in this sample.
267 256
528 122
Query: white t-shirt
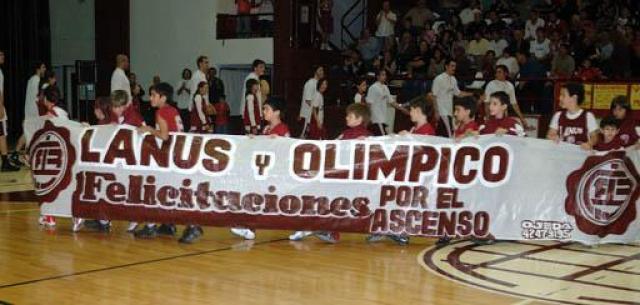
378 97
308 93
592 124
318 102
31 98
184 98
496 86
358 99
120 81
386 27
531 27
511 63
540 49
498 46
196 79
444 88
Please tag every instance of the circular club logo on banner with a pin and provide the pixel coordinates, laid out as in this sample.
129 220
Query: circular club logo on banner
51 157
602 194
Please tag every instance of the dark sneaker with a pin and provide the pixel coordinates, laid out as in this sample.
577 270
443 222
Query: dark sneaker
14 158
329 237
146 232
482 242
191 234
374 238
401 240
443 241
8 167
166 229
103 226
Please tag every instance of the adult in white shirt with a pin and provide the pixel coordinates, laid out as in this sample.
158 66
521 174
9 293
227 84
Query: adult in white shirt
541 47
4 149
502 84
309 91
444 88
510 62
379 99
183 97
119 79
199 76
386 21
31 97
532 25
497 44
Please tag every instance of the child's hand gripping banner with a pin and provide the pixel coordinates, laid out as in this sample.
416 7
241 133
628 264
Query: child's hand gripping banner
487 187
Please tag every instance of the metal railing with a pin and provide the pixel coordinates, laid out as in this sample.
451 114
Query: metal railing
244 26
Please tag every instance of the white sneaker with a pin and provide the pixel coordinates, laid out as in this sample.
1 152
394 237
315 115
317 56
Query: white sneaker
300 235
78 223
132 226
49 221
244 233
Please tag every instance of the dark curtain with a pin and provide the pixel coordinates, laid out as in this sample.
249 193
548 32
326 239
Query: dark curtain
25 40
112 38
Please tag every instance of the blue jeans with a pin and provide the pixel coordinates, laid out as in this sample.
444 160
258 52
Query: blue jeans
222 129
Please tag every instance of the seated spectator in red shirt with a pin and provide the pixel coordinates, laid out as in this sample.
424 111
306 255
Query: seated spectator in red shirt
586 72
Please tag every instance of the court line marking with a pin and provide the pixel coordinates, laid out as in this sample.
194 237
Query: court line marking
124 266
18 211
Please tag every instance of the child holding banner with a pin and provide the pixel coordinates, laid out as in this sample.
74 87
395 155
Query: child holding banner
357 120
273 113
167 120
464 111
47 107
420 112
609 128
500 123
629 131
573 124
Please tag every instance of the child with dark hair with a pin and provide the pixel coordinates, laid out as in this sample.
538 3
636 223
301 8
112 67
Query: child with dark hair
464 111
222 115
47 107
500 123
629 132
609 140
273 113
573 124
357 120
102 110
420 110
252 117
316 124
167 120
201 110
361 91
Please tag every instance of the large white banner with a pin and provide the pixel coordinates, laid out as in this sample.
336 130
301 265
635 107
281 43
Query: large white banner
489 187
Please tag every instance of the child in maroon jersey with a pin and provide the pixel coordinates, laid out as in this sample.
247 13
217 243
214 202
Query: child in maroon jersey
102 110
123 112
222 115
629 133
357 119
464 111
167 120
500 123
200 110
420 111
272 112
609 127
573 124
252 117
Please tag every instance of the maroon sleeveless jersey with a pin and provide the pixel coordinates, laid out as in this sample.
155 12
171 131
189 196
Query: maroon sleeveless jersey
573 131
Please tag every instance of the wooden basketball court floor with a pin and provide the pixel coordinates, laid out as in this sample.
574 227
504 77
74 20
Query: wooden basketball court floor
42 266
